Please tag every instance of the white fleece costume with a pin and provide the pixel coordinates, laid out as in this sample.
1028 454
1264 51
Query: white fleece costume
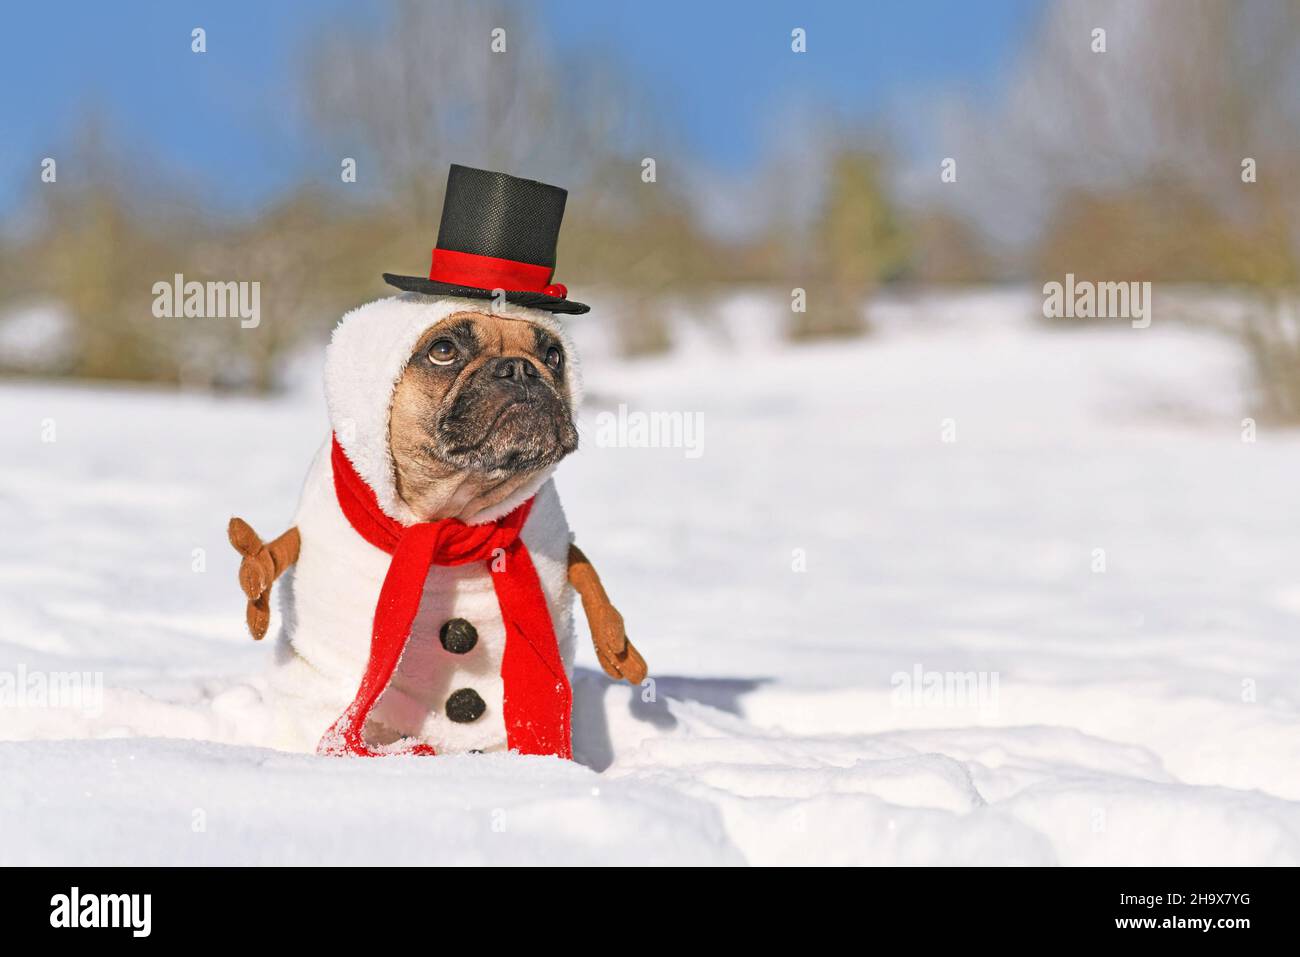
328 597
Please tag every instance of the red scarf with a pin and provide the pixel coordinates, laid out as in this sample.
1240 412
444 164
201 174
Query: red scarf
537 697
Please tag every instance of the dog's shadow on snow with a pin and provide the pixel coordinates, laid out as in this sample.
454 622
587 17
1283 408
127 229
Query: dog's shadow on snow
592 745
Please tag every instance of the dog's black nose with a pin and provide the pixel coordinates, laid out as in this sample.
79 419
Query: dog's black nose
513 367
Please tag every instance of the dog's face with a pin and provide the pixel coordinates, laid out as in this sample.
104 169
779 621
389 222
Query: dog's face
482 406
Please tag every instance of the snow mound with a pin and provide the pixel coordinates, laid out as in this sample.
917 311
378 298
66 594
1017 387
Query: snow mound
971 591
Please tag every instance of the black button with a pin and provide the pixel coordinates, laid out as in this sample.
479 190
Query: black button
464 706
458 636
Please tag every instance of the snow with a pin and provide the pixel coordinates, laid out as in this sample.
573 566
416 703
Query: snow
35 337
1141 714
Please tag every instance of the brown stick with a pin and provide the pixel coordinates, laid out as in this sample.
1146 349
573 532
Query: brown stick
616 654
262 565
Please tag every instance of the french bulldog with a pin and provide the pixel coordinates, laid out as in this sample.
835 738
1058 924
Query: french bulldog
448 419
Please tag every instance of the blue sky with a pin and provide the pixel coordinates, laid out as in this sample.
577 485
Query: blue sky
228 124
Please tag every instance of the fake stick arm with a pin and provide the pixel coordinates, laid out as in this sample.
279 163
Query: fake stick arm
262 564
616 654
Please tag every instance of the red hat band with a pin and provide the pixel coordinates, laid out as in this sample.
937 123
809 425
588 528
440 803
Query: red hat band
487 272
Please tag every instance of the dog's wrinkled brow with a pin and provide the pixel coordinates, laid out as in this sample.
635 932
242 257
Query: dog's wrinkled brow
543 340
464 331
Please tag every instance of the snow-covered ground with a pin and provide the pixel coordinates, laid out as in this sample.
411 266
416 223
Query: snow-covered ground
928 503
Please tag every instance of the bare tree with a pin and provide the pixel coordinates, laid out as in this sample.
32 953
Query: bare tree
1183 92
464 83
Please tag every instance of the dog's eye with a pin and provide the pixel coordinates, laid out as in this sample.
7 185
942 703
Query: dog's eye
442 352
554 358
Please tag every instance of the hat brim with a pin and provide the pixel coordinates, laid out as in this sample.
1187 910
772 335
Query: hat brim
519 297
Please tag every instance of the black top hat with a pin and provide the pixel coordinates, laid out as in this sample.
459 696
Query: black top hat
497 232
